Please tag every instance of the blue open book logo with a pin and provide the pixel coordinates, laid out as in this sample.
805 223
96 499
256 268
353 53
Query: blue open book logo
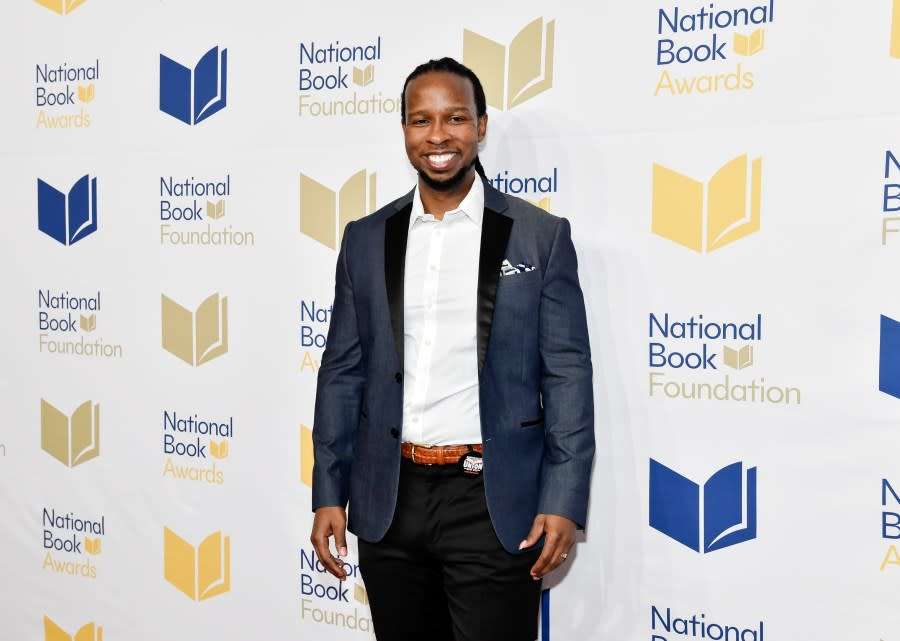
889 357
70 217
193 95
727 503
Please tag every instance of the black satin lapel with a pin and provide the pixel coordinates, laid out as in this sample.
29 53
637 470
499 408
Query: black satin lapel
495 230
396 230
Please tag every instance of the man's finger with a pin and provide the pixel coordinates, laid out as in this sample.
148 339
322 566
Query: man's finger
534 534
549 558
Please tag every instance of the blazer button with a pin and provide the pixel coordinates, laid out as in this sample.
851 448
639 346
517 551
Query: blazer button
395 432
398 377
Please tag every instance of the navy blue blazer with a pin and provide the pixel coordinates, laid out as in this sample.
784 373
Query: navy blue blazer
534 364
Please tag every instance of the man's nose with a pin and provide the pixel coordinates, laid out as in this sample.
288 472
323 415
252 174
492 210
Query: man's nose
437 133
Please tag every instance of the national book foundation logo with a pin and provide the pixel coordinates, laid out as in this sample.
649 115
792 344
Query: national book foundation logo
195 447
71 440
63 91
68 326
61 7
71 541
517 73
337 78
686 356
324 213
68 217
706 217
703 49
327 601
200 572
194 94
88 632
192 213
195 337
720 514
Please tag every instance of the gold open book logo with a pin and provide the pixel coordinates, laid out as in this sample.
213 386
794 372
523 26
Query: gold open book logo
364 76
87 632
306 456
750 45
195 337
61 7
71 440
707 217
324 213
215 210
895 30
202 572
738 358
511 75
86 93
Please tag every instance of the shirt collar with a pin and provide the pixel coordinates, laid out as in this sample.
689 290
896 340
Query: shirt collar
472 205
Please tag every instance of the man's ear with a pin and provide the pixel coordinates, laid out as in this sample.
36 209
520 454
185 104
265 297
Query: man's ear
482 126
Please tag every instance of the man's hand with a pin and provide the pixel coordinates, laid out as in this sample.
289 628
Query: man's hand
330 521
559 537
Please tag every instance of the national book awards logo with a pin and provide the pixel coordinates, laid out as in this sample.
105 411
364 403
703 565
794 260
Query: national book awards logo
71 542
314 320
72 439
707 216
195 447
688 355
340 78
68 216
194 93
717 515
515 73
201 572
62 7
194 212
196 336
536 189
328 601
325 212
704 49
64 92
70 324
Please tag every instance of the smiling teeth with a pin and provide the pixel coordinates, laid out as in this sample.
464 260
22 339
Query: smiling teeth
440 159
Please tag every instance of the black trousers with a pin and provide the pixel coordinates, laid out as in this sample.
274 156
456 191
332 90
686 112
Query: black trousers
440 573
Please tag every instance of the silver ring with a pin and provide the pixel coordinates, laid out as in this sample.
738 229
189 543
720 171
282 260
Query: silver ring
564 556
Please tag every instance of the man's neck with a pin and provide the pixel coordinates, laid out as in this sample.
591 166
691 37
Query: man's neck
437 202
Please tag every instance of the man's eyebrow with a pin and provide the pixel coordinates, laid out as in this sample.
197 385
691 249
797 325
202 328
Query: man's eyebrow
447 110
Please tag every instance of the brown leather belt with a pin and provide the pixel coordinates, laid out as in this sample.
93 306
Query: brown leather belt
437 454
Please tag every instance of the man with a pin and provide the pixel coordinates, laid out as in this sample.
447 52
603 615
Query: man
454 408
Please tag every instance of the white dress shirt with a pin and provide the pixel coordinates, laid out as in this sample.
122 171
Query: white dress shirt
440 369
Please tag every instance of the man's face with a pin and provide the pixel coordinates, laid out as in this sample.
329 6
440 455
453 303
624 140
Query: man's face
442 130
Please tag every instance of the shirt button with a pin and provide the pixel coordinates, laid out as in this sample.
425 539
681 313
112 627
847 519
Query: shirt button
428 341
433 268
395 432
398 377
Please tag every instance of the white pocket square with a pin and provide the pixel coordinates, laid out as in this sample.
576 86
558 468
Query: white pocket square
508 269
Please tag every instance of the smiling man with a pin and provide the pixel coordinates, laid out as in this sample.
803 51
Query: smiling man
454 409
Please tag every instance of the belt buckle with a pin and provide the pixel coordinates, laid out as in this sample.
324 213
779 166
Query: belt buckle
412 452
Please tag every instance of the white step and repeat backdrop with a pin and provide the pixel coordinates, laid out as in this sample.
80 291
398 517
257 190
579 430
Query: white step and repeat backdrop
176 177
